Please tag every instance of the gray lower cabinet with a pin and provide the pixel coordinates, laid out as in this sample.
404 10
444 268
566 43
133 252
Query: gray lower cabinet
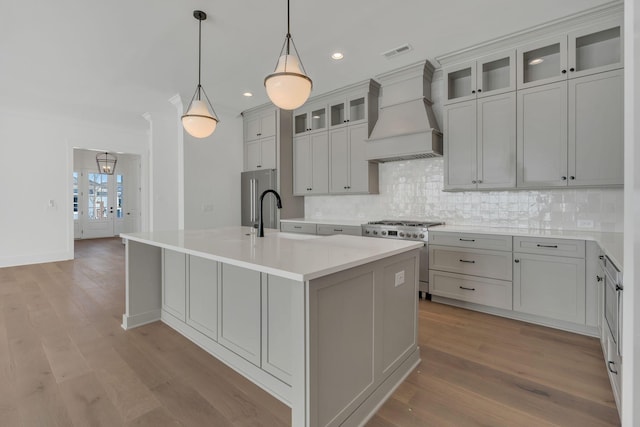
276 326
550 286
298 227
174 283
239 303
202 296
331 229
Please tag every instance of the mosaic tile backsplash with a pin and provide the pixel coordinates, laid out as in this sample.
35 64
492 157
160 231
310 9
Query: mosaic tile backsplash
412 189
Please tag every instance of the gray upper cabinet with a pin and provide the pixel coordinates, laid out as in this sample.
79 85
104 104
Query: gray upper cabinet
260 150
596 135
480 144
490 75
311 164
330 134
542 136
592 49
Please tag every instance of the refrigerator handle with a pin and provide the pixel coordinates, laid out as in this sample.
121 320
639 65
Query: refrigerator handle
252 195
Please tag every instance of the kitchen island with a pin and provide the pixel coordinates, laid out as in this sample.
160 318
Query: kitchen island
328 325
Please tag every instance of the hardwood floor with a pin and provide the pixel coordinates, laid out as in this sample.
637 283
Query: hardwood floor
65 361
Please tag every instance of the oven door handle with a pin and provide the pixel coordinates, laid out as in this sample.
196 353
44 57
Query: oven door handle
619 329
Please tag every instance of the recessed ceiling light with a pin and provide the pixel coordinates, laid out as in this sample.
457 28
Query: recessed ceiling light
536 61
247 94
337 56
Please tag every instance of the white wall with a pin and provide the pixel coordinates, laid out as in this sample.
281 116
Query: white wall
212 175
631 295
36 165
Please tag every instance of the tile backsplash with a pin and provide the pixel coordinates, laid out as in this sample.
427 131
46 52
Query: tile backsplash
412 189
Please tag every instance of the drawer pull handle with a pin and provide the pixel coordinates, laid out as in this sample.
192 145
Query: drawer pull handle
297 226
339 230
547 246
613 371
467 289
599 278
469 261
467 240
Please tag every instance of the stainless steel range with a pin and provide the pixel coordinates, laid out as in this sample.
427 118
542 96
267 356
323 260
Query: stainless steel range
405 230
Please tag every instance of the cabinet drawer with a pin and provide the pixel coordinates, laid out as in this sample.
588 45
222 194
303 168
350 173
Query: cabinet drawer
544 246
468 240
491 292
298 227
476 262
327 229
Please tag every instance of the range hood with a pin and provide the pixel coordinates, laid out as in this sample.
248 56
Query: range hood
406 126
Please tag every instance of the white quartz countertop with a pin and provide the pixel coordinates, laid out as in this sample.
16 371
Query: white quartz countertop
611 243
327 221
294 256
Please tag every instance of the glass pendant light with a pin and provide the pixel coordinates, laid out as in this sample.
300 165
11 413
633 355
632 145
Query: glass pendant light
199 121
106 163
288 86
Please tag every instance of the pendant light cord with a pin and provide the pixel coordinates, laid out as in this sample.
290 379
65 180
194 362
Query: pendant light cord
288 27
200 54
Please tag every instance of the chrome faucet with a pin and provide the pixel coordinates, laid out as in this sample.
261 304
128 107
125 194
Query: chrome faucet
279 203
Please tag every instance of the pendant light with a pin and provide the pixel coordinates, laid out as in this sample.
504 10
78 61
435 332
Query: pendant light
199 121
288 86
106 163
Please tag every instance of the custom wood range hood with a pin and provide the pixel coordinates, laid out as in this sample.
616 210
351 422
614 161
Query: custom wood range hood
406 126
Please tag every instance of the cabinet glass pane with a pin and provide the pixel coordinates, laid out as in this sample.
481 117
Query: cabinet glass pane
598 49
459 83
337 114
356 109
496 74
318 119
301 123
541 63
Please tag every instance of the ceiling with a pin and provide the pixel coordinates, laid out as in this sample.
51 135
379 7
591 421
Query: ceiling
114 60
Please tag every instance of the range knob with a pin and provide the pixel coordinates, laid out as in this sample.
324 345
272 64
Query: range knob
375 232
367 232
384 233
415 236
401 234
422 236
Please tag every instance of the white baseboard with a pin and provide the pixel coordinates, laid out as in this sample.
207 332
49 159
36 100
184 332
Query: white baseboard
130 322
14 261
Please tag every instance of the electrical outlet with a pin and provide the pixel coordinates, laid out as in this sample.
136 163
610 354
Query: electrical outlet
399 278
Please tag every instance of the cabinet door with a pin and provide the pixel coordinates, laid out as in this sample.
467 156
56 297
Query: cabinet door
596 129
252 155
460 83
357 112
268 124
542 136
268 153
460 145
595 49
239 318
542 62
300 123
496 74
358 163
319 164
252 128
276 326
301 165
497 141
338 161
202 311
174 283
318 118
549 286
338 113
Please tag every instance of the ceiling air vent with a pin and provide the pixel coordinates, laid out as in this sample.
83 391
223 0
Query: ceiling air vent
397 51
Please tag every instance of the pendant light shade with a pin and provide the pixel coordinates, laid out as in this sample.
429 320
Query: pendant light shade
200 120
288 86
106 163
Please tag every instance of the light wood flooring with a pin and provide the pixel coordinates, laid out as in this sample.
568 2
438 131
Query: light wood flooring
65 361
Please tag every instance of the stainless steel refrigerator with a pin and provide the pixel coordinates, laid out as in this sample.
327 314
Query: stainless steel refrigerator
253 184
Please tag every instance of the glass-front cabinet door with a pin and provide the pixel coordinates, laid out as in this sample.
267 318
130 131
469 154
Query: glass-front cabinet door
310 119
595 49
542 62
496 74
350 110
460 82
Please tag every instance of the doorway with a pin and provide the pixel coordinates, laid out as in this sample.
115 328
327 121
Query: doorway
105 205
